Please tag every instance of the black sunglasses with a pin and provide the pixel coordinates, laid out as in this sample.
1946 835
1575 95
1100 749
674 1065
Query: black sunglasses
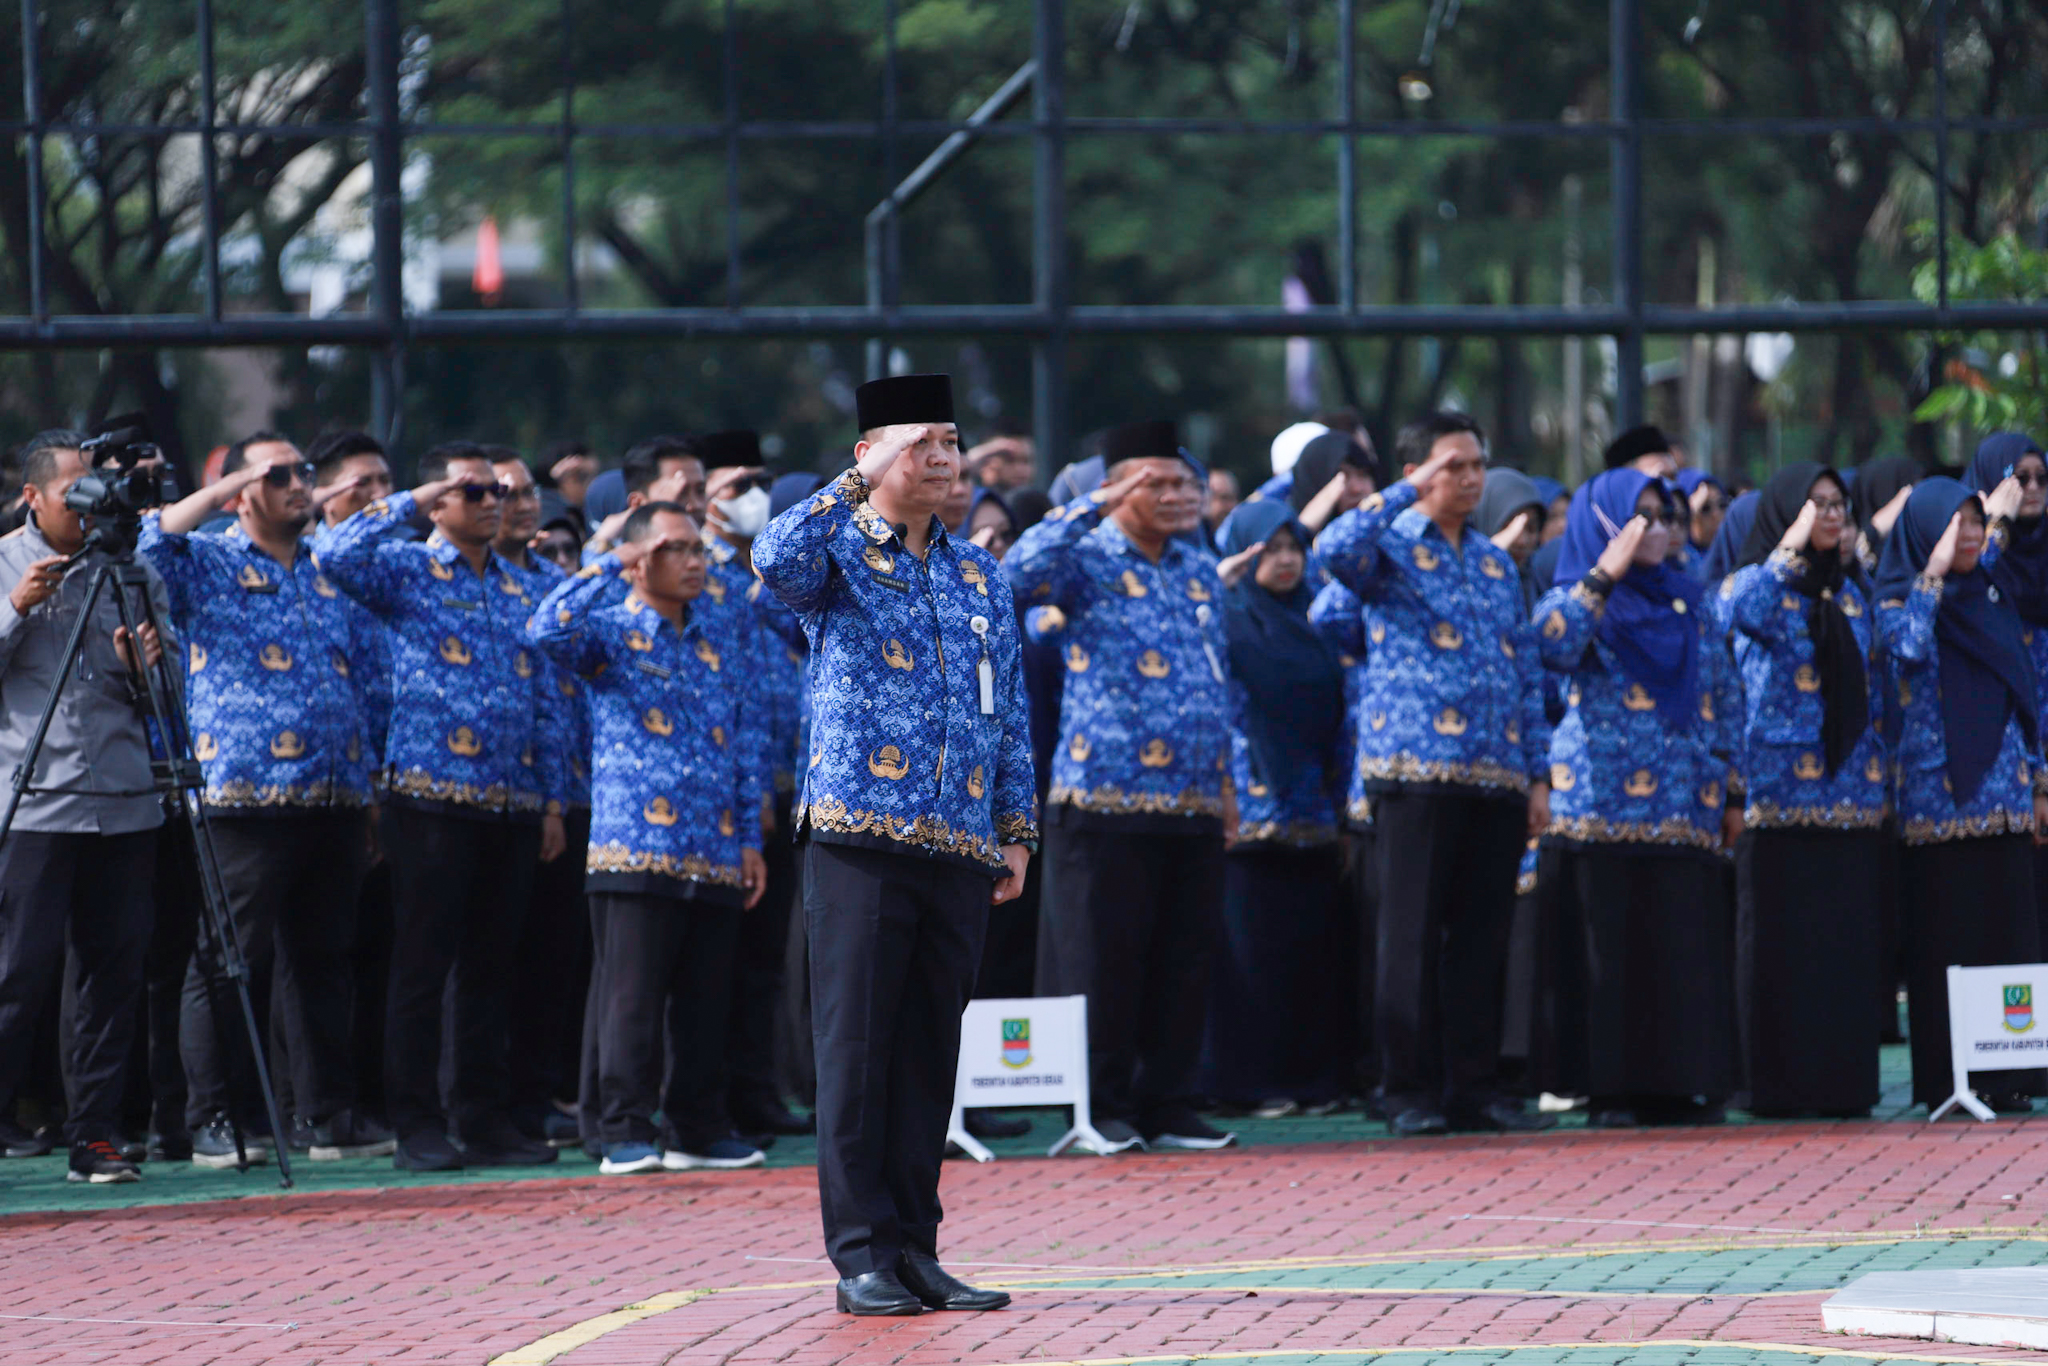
752 481
281 476
476 493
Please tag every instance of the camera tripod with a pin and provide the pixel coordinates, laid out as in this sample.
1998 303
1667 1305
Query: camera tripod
175 776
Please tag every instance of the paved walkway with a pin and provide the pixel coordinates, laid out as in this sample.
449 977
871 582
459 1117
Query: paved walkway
1678 1247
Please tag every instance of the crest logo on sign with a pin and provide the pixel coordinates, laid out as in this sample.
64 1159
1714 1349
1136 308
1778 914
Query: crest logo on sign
1017 1043
2019 1008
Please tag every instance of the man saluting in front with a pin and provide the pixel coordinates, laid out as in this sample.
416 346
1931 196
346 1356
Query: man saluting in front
918 812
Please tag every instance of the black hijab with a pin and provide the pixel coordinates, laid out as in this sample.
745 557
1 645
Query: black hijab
1987 676
1877 483
1293 682
1320 460
2021 571
1844 686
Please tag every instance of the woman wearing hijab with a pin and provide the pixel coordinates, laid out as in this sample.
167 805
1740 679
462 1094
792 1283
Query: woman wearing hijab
1807 867
1275 1018
1970 775
991 524
1334 475
1510 494
1708 502
1640 1007
1556 499
2011 475
1882 486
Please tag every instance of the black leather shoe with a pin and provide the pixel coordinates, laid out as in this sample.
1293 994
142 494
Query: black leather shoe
989 1124
772 1119
876 1294
1614 1117
1418 1123
1504 1116
922 1275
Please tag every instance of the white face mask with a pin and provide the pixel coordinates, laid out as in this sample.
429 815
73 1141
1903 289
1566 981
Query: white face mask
746 515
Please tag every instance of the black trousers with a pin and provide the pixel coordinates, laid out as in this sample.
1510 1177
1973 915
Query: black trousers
291 884
460 887
1447 898
371 966
1134 926
1361 893
156 1074
668 973
895 940
90 894
551 975
751 1083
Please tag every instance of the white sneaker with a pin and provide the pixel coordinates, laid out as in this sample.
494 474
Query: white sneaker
727 1154
1115 1137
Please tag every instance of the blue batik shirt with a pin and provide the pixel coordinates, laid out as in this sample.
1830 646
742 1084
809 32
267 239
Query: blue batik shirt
777 670
1340 616
1619 775
1928 810
903 756
1784 768
276 670
565 694
473 728
1453 687
1145 710
678 745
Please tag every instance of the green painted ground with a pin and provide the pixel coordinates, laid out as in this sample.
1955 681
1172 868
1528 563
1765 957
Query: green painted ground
1723 1271
38 1184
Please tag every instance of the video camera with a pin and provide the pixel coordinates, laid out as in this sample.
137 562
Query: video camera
119 484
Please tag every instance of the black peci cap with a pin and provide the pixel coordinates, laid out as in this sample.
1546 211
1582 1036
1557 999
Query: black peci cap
904 398
1634 444
725 450
1141 441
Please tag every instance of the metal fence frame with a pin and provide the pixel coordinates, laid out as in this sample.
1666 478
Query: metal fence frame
1051 318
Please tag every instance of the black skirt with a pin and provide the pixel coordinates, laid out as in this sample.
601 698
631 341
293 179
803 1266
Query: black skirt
1967 903
1807 948
1638 996
1276 1001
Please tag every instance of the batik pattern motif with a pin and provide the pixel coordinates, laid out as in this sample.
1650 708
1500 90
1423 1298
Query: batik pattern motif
1144 713
473 729
902 756
1619 774
1453 686
1928 810
1784 766
678 748
277 669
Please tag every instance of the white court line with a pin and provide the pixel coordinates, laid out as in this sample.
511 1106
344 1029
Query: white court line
1010 1266
142 1323
1635 1223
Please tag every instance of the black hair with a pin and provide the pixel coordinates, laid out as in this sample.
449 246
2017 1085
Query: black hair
556 452
1419 438
642 465
502 455
38 455
238 454
331 448
640 521
434 464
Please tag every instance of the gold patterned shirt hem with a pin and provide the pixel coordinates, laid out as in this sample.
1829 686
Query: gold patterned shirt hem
932 834
1292 834
1676 831
1407 768
617 858
1999 822
420 785
1765 814
1107 799
241 795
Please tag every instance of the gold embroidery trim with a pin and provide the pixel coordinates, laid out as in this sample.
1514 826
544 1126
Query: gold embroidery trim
241 793
931 833
1999 822
1293 834
1406 768
1672 830
1109 799
422 785
1765 814
617 858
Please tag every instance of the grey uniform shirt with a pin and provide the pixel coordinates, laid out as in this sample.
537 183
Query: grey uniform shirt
97 745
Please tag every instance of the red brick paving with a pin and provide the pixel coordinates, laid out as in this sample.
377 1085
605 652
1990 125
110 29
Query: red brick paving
462 1274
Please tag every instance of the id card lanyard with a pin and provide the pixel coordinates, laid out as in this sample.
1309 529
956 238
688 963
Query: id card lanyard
984 671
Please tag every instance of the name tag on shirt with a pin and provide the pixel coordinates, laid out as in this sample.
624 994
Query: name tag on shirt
886 581
259 588
657 670
460 605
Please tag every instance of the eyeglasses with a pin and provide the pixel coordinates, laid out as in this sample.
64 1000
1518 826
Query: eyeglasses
281 476
530 493
476 493
752 481
1830 507
2033 479
1664 515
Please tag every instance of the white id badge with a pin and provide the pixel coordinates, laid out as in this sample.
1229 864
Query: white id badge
988 688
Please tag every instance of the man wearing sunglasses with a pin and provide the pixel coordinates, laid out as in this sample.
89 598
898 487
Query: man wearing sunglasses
277 667
737 503
474 770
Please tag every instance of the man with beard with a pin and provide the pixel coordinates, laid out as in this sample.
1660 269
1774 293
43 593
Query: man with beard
277 667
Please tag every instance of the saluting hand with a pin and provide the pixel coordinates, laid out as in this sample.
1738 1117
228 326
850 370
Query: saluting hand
1113 495
1944 554
2003 503
323 496
1506 537
1621 551
1801 531
1232 568
881 454
1423 475
1011 886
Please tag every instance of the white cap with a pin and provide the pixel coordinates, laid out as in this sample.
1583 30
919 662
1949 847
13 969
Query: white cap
1287 446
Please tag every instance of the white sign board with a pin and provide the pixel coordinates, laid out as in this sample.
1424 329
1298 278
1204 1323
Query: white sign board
1994 1025
1024 1051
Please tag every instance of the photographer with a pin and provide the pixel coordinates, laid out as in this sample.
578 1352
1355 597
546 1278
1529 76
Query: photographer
80 860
